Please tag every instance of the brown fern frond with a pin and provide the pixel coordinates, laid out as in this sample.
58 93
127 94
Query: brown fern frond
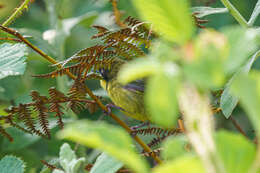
5 134
55 98
39 106
156 131
77 92
131 21
9 120
156 141
102 31
155 151
74 69
86 55
199 22
24 115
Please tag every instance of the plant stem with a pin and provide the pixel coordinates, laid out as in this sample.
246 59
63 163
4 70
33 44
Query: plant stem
17 12
237 126
117 14
235 13
90 93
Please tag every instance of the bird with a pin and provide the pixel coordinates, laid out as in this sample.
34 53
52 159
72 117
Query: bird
128 98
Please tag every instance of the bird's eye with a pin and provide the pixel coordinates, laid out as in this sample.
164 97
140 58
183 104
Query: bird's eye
103 73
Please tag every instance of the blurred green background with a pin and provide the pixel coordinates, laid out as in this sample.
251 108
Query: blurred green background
48 24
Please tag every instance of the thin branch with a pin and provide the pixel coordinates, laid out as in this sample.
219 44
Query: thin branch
16 13
235 13
10 39
238 127
90 93
117 14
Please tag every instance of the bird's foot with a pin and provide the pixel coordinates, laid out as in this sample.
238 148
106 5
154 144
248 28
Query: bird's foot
109 106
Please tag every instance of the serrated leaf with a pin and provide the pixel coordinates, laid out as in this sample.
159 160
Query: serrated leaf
228 101
183 164
68 159
11 164
205 11
236 158
12 59
106 163
113 140
161 98
169 17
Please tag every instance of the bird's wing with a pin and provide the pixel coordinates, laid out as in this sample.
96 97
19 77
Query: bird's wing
136 86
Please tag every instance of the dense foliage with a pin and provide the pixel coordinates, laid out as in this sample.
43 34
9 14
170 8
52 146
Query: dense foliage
199 59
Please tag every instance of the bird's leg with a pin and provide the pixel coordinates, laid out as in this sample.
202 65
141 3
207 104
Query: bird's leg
109 106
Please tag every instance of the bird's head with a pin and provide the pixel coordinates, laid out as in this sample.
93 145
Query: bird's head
111 72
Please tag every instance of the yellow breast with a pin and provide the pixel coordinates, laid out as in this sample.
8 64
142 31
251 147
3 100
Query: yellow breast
129 101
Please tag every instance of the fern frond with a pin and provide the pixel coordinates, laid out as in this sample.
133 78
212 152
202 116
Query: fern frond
56 97
24 115
42 110
156 131
5 134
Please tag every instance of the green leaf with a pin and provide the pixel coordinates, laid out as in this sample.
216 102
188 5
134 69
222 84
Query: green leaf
247 89
255 14
236 158
174 147
113 140
12 59
206 67
242 45
106 163
185 164
137 69
161 97
169 17
11 164
228 101
205 11
68 159
19 136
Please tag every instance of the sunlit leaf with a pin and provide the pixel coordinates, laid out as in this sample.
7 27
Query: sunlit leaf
185 164
175 147
206 67
108 138
236 158
169 17
137 69
161 98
